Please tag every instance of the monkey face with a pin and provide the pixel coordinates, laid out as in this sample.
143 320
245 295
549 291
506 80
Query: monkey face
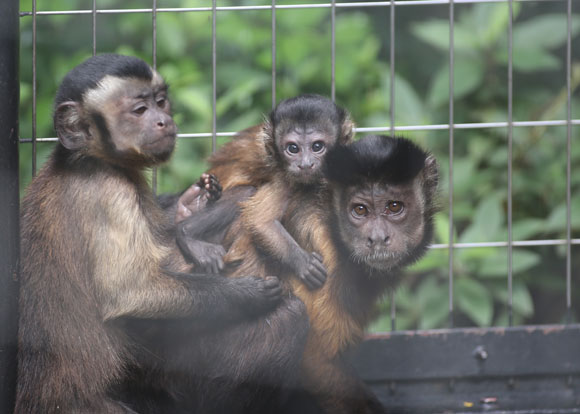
302 151
133 119
381 224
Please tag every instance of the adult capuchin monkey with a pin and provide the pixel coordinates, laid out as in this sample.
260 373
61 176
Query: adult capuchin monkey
272 163
373 216
96 249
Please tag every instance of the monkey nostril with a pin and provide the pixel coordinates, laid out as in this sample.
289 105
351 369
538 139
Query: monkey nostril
160 124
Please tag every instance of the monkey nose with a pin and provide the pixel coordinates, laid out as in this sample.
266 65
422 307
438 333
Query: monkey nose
161 123
378 241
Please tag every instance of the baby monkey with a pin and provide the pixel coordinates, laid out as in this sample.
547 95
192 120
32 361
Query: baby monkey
270 163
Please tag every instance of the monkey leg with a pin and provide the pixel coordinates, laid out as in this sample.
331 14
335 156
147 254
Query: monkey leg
247 368
336 388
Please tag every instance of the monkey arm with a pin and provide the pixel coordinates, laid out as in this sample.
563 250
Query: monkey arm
261 215
200 236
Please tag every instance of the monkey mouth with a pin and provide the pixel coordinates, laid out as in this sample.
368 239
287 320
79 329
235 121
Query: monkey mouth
383 260
161 143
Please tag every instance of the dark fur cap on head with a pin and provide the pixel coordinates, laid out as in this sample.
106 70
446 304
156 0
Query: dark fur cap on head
307 109
376 158
88 74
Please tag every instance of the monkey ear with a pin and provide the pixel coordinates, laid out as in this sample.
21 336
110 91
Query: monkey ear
347 130
71 130
431 174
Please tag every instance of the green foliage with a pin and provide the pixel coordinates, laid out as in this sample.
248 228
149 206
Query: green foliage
303 64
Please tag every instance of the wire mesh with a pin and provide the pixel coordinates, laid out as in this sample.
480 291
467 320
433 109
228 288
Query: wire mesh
392 5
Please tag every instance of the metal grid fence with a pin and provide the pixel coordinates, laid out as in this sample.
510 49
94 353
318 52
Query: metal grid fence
451 126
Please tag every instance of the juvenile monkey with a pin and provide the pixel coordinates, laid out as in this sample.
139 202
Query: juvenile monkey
282 159
373 218
96 249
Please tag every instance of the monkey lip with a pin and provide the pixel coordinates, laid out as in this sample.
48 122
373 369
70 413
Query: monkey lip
161 142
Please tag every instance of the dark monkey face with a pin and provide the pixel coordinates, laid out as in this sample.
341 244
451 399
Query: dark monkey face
302 150
382 224
133 118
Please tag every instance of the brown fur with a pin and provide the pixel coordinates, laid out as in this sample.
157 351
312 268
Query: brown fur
96 247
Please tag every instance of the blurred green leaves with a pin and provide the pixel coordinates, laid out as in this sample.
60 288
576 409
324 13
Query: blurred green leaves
303 64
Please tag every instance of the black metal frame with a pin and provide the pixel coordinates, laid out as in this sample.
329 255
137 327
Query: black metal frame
9 199
525 369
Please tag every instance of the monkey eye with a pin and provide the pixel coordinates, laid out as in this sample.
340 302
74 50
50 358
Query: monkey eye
140 110
293 148
394 207
161 102
360 210
318 146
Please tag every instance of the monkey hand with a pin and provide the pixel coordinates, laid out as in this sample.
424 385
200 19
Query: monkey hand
206 257
212 187
197 196
310 270
259 294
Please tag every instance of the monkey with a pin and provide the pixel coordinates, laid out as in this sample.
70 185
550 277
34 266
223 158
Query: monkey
373 217
267 163
96 249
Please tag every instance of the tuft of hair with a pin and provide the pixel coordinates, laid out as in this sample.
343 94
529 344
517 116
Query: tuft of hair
88 74
307 109
377 158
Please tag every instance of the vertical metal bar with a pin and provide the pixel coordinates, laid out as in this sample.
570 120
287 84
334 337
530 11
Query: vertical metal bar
568 166
333 50
392 69
510 173
94 15
9 201
451 138
214 76
392 120
34 91
273 53
154 52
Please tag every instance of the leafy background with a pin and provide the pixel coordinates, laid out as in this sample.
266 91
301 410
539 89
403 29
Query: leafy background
362 85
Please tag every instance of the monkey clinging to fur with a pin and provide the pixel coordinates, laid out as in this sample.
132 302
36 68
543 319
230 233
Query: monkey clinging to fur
373 217
96 247
282 158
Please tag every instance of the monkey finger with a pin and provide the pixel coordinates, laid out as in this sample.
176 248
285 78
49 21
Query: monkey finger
320 268
317 256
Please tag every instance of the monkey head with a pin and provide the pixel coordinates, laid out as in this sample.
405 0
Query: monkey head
115 108
301 130
383 200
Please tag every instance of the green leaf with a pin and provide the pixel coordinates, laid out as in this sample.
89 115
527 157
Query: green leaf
521 299
487 222
468 75
408 105
474 300
527 228
436 33
545 31
497 266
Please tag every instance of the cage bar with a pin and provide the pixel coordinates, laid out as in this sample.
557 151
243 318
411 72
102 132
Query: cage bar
214 77
9 201
154 57
510 164
34 89
569 165
451 139
273 53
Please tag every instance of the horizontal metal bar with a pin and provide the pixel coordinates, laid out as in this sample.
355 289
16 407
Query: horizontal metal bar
277 7
521 243
474 352
433 127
